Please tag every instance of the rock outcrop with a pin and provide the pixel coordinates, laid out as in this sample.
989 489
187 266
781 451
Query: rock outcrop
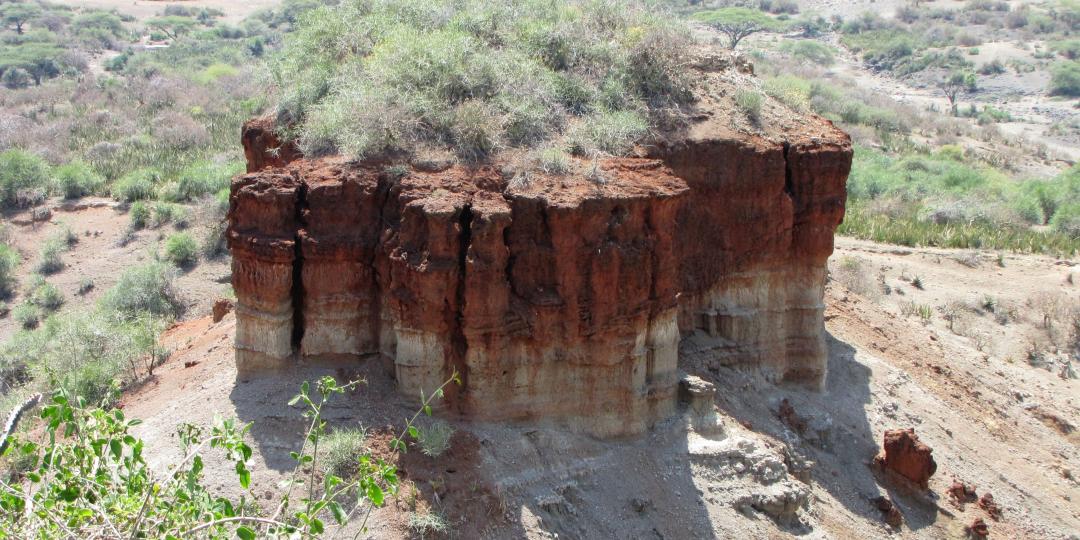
905 455
569 298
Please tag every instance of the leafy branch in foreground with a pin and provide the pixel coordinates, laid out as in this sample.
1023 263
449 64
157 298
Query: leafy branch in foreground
86 476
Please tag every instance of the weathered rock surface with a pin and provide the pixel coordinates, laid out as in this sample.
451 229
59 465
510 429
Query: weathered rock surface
562 297
904 454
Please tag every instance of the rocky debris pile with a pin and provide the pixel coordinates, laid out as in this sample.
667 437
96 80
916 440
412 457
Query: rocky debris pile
563 296
961 493
906 456
749 476
889 512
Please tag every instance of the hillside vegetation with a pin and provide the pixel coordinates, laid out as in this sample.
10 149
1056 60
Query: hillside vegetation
393 78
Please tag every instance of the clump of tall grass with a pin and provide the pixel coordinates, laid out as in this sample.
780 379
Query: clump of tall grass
749 103
76 180
9 261
21 171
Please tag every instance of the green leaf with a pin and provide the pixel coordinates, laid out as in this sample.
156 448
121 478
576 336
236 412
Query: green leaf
117 450
245 533
245 475
316 526
413 432
294 400
339 514
375 494
427 410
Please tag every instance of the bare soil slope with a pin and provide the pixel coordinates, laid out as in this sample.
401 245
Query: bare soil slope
1005 427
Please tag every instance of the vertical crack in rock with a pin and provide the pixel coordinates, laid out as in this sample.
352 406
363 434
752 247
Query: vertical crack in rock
788 182
557 299
458 342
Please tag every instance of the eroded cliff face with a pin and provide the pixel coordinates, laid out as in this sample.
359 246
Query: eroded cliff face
561 298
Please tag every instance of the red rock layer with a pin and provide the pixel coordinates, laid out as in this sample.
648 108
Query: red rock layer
567 298
904 454
755 239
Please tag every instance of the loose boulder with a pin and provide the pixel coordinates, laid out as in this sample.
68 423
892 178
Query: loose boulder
908 457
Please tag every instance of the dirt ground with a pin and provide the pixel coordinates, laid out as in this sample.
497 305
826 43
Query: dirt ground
98 256
993 420
235 10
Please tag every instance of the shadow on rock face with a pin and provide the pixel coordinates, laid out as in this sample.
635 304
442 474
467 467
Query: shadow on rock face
497 480
829 441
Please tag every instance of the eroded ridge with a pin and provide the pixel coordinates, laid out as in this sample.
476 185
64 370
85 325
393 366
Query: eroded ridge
567 298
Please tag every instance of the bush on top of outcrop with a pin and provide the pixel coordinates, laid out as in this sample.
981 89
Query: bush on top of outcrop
387 78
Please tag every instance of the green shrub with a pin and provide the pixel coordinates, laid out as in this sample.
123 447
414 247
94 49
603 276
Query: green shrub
434 439
19 171
139 214
144 289
164 213
136 186
181 250
749 103
26 315
993 67
476 77
76 180
1069 48
1065 79
553 161
343 448
9 261
809 50
15 78
47 296
791 90
214 72
606 132
205 178
49 258
1067 220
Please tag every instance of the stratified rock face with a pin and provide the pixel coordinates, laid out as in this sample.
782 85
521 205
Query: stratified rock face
560 298
753 245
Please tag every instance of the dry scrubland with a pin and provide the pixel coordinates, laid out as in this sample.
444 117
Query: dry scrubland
954 302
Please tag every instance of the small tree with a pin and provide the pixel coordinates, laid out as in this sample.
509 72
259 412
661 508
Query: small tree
737 23
172 25
39 60
18 14
954 85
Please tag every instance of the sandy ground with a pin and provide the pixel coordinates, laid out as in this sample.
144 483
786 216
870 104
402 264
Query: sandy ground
235 10
993 420
99 257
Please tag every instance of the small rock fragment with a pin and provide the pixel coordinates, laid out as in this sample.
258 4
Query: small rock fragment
978 529
961 493
986 502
